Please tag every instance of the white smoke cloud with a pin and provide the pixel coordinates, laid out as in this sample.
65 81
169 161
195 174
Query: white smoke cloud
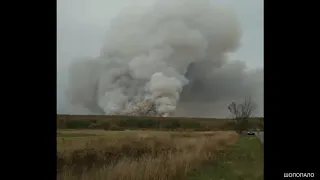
167 55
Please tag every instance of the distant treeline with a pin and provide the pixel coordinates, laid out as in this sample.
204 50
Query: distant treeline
150 123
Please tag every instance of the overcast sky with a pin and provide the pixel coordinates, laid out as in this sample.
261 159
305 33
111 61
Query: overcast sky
82 24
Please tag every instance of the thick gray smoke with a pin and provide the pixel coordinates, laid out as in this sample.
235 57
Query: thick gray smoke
172 56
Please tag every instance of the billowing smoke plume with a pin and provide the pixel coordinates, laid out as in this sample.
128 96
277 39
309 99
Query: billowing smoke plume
173 55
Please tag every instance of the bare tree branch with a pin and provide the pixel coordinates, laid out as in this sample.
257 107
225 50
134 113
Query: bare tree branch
242 112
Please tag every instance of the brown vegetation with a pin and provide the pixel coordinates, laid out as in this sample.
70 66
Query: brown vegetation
144 156
151 123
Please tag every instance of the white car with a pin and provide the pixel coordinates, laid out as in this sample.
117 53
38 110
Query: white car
250 132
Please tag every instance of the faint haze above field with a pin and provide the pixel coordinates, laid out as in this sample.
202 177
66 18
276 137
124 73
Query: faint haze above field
81 30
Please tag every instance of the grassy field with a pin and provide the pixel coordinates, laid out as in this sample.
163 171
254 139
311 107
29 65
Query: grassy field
156 148
137 155
242 161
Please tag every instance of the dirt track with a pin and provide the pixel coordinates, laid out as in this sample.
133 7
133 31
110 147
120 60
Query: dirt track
260 135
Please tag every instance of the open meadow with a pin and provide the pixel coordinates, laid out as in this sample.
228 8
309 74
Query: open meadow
134 155
148 149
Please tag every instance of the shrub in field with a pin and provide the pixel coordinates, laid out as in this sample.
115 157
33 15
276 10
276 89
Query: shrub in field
191 125
115 128
170 124
105 125
139 123
95 126
148 123
126 123
76 124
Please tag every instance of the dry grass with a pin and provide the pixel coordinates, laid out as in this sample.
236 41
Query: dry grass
139 156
